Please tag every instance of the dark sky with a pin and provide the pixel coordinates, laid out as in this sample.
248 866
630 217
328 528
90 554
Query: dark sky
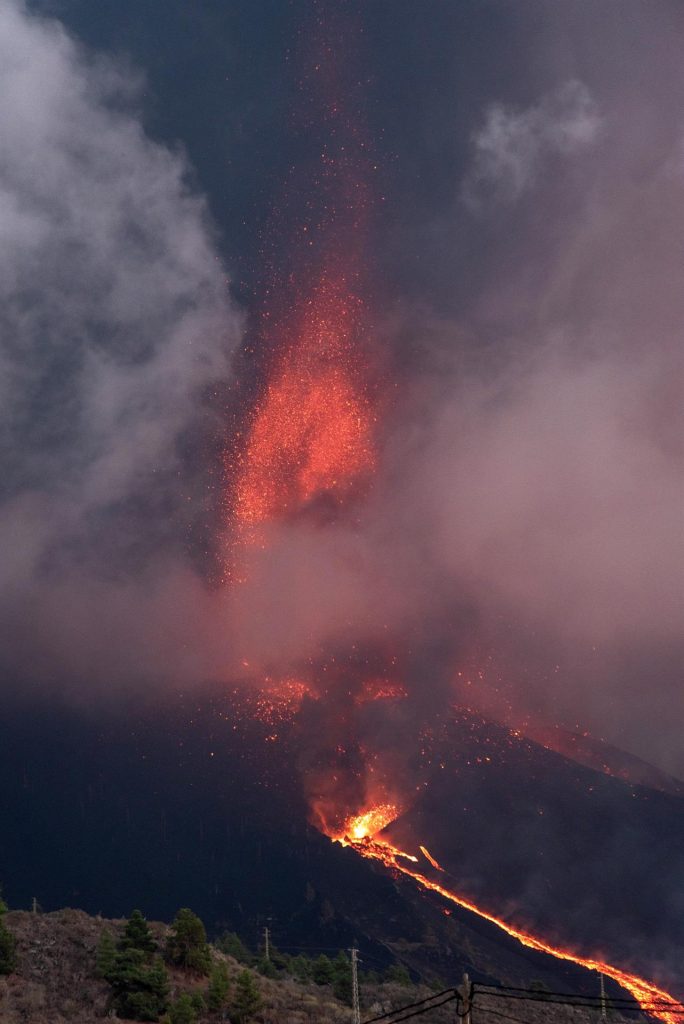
522 260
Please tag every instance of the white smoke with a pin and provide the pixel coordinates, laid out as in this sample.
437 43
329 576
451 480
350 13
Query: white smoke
114 322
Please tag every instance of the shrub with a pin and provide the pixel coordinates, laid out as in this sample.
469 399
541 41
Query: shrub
398 974
247 998
106 955
219 987
8 945
322 970
182 1010
232 945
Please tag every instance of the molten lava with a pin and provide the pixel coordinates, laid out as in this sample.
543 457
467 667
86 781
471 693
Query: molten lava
361 834
311 435
370 822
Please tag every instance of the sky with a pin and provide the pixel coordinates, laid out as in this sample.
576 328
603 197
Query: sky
521 543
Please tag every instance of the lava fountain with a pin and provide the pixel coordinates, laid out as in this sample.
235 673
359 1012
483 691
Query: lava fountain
308 447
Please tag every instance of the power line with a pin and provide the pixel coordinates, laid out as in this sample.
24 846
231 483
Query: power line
410 1006
543 994
504 1016
589 1003
425 1009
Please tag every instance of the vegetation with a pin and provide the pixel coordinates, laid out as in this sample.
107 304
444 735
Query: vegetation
398 974
322 971
8 957
187 945
106 954
232 945
183 1010
247 999
138 978
140 985
219 987
137 934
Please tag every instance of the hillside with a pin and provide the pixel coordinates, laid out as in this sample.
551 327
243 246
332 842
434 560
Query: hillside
56 981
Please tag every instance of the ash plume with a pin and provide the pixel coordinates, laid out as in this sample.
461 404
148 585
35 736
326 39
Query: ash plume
527 510
519 545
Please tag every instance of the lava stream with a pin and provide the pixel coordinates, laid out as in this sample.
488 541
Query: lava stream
652 1000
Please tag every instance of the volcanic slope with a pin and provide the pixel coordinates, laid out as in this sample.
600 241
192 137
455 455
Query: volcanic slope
199 802
572 853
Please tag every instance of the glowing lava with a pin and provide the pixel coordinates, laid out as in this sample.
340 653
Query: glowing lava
368 824
312 432
361 832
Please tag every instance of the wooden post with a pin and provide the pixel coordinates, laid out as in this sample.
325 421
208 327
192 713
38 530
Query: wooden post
356 1005
466 993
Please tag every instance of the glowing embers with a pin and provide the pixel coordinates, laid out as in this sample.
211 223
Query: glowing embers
380 689
311 434
370 822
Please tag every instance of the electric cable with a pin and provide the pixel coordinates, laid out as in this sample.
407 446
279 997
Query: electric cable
504 1016
588 1004
542 994
425 1009
410 1006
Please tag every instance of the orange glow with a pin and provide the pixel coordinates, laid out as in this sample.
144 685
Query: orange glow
428 856
653 1000
311 434
380 689
369 823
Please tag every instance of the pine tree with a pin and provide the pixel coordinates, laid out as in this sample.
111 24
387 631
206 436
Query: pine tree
267 968
183 1011
219 987
300 968
247 998
322 970
106 955
398 974
140 991
232 945
342 978
187 946
8 955
140 983
137 934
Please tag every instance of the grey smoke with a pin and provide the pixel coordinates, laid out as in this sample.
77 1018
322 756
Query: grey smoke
513 147
114 322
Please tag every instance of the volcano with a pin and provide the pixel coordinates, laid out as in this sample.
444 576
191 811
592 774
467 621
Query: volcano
201 803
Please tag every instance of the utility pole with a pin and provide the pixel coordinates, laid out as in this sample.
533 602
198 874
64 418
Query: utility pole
466 993
34 905
356 1008
267 948
603 996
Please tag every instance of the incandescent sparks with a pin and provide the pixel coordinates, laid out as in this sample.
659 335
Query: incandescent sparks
311 435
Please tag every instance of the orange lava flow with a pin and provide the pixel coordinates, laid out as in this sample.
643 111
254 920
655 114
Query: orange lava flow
428 856
652 1000
311 433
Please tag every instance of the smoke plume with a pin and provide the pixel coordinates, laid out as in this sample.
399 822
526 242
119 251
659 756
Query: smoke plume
114 326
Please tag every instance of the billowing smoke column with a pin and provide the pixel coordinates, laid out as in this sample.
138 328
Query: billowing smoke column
491 539
494 501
